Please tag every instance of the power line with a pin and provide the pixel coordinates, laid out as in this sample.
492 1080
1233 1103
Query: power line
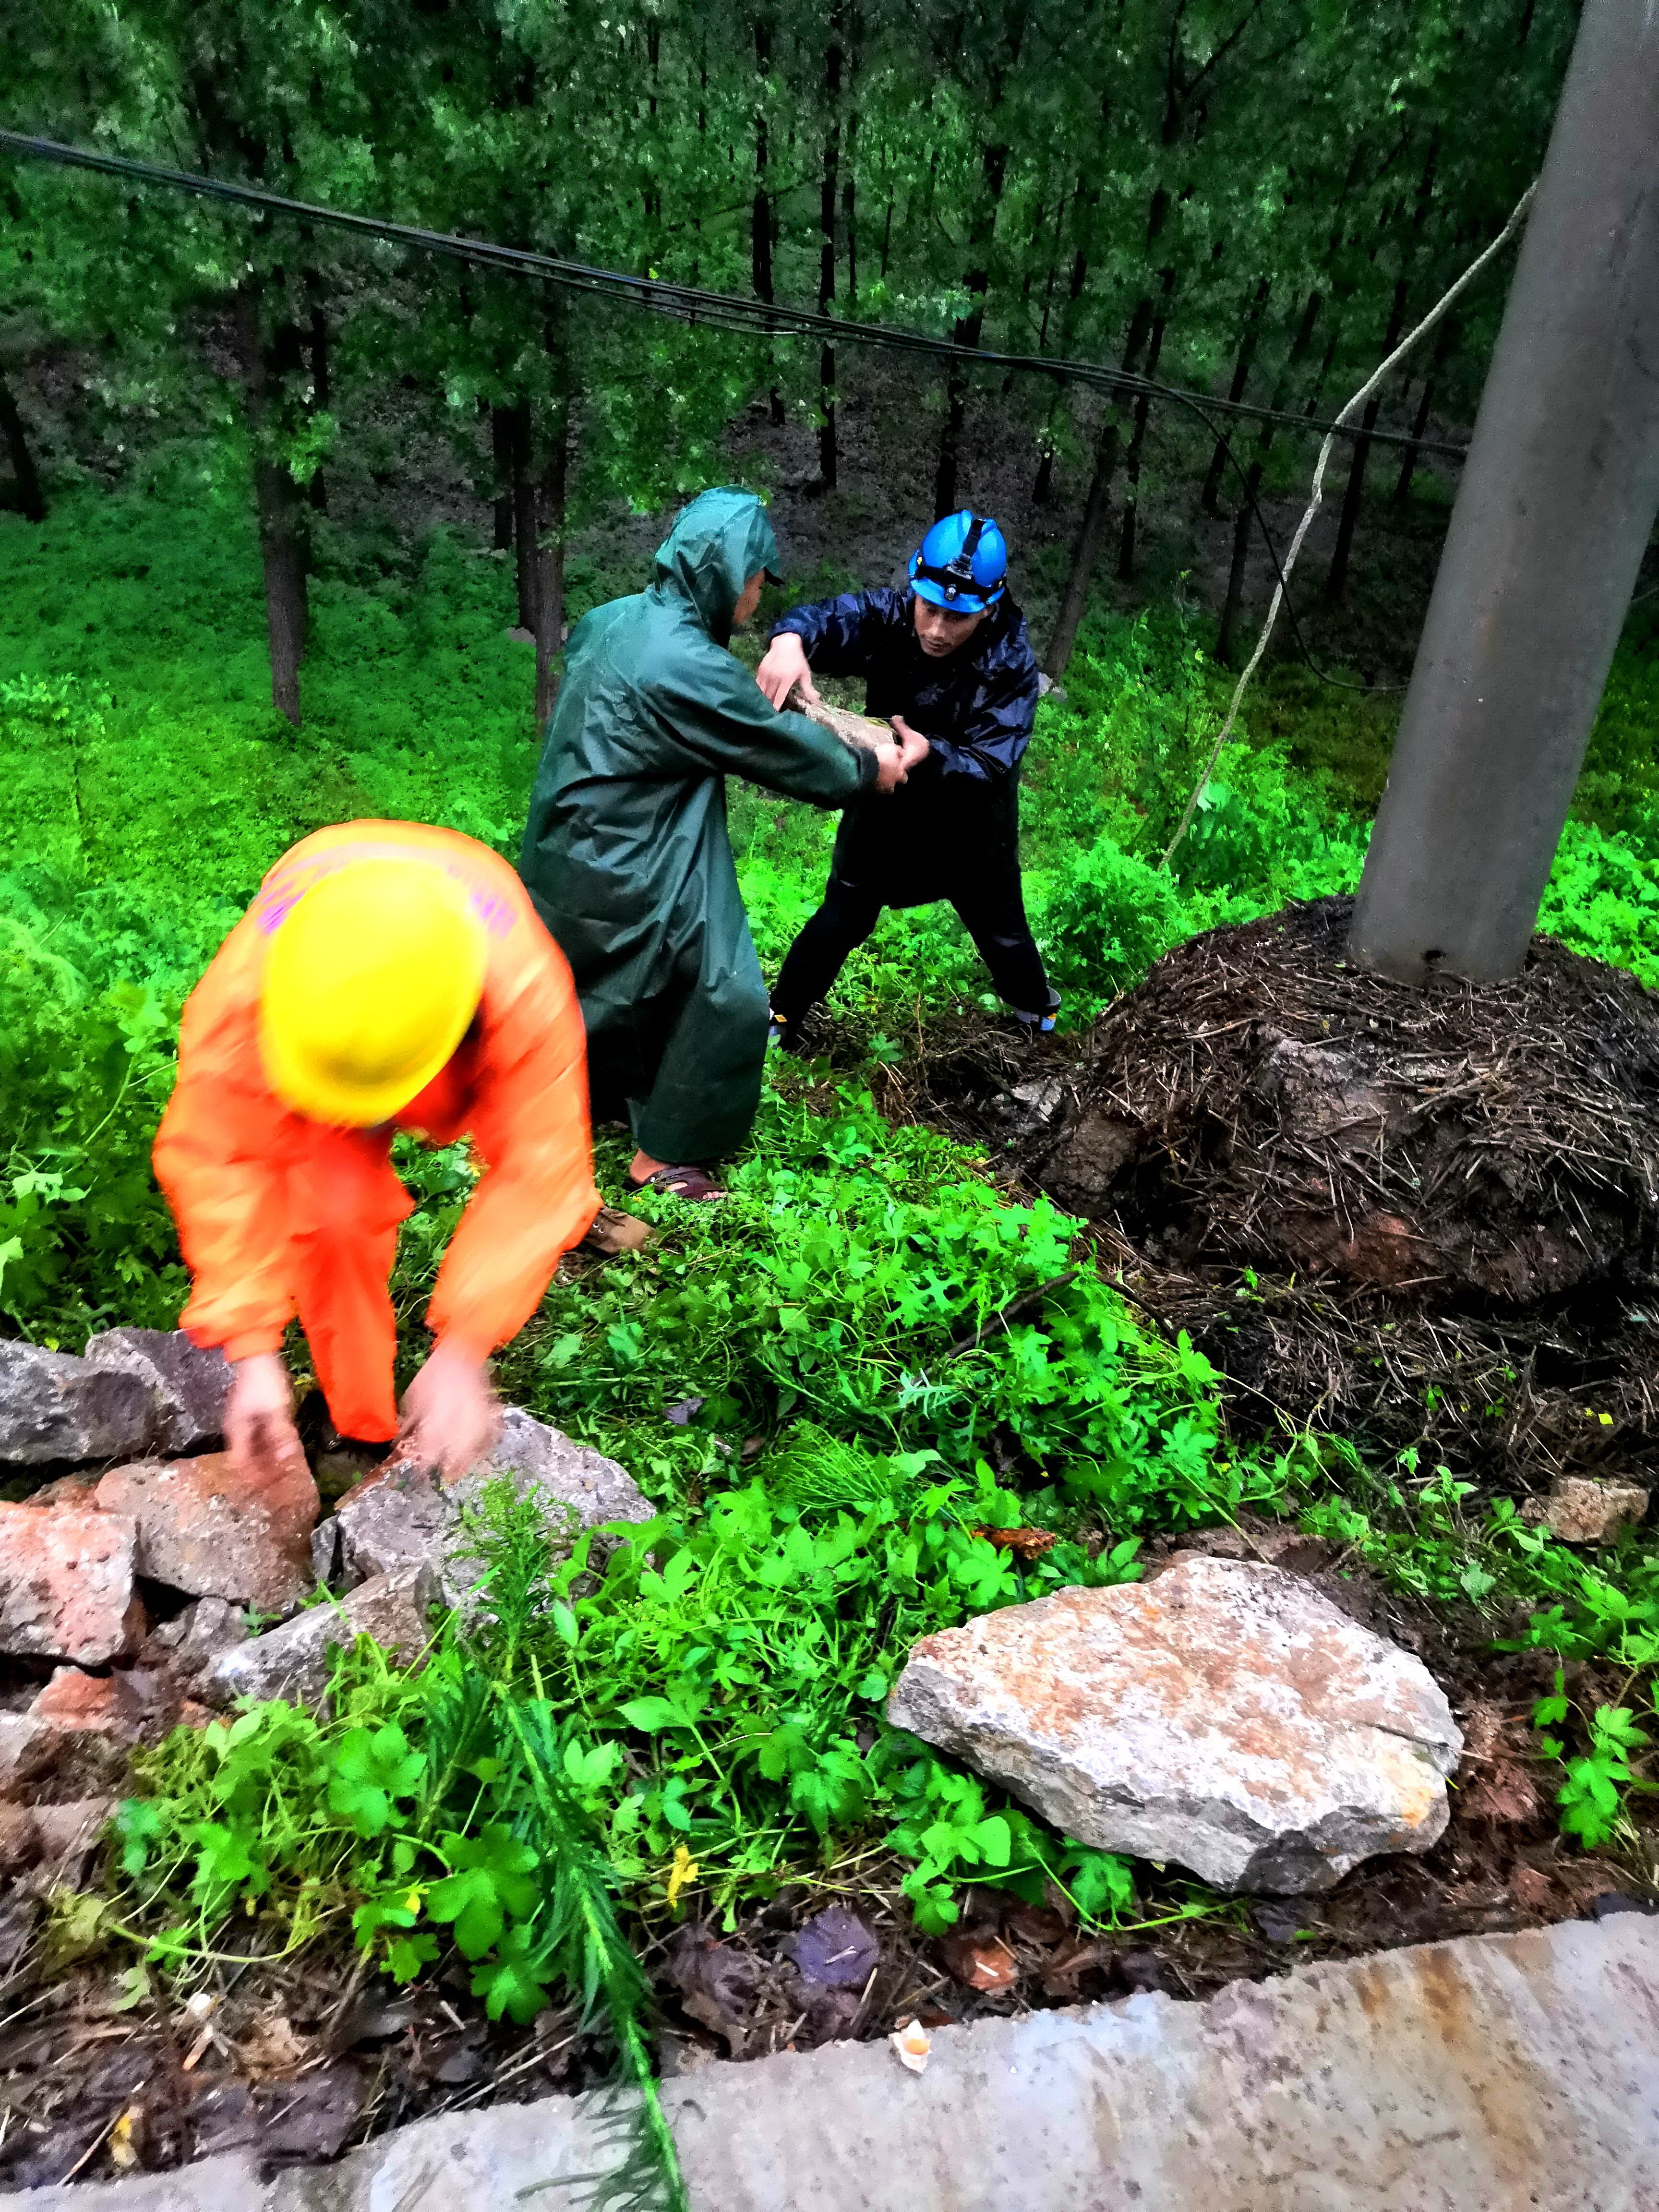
689 303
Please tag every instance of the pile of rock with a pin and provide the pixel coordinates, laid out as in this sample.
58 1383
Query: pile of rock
163 1588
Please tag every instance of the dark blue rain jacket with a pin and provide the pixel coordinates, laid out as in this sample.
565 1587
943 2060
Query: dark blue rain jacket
956 818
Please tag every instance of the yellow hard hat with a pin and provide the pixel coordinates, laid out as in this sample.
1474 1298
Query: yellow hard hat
369 985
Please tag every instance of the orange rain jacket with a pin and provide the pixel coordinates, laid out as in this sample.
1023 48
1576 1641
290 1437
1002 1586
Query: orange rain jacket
279 1215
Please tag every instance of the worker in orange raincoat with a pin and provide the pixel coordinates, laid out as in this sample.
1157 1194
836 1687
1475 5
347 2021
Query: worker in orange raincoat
386 974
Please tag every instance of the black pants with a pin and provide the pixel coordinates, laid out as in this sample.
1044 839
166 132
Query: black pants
993 913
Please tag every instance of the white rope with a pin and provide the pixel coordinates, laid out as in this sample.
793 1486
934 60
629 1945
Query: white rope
1316 500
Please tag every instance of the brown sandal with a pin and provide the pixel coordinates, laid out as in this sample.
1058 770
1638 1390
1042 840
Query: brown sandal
680 1182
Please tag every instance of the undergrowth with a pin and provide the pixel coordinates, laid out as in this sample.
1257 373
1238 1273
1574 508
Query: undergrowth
832 1384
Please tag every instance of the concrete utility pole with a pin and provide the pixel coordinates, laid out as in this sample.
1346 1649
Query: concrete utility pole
1557 503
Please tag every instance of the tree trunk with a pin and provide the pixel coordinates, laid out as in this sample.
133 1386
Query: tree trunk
1210 495
1244 523
1093 529
1125 556
828 190
760 212
525 540
1443 352
500 449
31 499
1244 520
993 165
1553 516
1337 577
1042 489
549 571
320 386
276 498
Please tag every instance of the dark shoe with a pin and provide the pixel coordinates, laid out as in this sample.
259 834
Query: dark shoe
1037 1025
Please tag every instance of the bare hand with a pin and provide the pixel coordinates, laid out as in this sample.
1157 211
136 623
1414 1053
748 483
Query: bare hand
783 667
451 1418
916 747
891 768
264 1445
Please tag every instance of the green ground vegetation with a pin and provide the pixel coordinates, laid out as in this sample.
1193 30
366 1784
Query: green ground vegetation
704 1719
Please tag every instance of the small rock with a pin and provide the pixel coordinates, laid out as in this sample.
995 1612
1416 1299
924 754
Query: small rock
1277 1924
61 1831
292 1662
1612 1902
834 1949
325 1553
66 1489
183 1645
392 1523
66 1582
1030 1108
27 1746
1226 1717
188 1386
73 1699
20 1846
201 1529
53 1406
1580 1511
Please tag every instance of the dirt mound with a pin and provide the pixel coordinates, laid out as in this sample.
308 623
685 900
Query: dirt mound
1259 1101
1430 1213
1429 1216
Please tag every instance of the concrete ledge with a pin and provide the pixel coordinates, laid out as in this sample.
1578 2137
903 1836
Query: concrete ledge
1501 2074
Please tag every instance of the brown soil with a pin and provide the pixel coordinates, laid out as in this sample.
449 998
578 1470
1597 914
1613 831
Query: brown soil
1426 1217
301 2060
1250 1069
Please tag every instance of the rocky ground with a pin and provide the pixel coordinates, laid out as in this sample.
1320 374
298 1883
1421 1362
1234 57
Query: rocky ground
127 1595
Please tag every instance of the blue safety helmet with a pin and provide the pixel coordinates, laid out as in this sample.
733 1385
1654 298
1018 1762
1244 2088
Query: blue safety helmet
961 564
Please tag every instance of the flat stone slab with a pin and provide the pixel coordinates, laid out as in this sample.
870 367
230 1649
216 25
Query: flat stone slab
1500 2074
1225 1715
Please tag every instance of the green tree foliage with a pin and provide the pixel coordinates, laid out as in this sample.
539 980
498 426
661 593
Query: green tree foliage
1223 192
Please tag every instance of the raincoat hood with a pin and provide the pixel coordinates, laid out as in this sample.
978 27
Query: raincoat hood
715 546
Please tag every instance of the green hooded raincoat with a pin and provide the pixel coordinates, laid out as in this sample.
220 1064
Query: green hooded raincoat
626 855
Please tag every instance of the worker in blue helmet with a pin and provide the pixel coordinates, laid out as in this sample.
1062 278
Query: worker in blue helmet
947 661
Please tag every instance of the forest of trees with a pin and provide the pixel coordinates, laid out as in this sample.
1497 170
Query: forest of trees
1252 197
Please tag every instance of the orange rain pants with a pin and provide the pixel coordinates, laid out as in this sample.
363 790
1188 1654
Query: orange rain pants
280 1216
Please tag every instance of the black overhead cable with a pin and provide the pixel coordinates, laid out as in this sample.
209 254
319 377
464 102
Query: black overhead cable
689 303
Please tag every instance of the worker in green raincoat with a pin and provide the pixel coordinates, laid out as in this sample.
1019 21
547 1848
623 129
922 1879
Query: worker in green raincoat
626 855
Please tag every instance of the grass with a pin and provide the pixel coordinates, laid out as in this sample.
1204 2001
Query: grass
704 1720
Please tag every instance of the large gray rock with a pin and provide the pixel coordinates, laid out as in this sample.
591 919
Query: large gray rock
405 1519
54 1406
188 1388
1225 1715
292 1662
66 1584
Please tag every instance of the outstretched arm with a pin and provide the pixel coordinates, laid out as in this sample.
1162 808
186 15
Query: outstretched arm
719 713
